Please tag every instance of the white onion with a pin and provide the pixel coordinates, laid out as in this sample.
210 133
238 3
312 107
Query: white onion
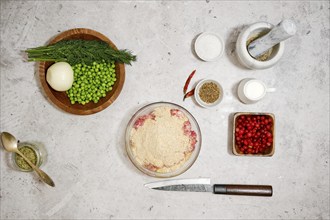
60 76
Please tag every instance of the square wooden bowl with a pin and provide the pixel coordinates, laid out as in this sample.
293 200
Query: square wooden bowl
60 99
269 151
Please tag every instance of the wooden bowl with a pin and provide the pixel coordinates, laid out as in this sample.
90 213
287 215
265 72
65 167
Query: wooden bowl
60 99
270 151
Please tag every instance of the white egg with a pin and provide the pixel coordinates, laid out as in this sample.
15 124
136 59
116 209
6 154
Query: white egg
60 76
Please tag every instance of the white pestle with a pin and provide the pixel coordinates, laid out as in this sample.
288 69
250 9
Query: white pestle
284 30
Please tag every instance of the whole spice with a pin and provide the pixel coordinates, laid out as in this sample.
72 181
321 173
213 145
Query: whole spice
209 92
30 154
189 94
188 81
80 52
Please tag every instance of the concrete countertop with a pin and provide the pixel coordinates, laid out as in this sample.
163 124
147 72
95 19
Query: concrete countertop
86 155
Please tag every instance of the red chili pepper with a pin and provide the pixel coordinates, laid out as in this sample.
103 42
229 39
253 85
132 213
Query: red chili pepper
188 81
188 94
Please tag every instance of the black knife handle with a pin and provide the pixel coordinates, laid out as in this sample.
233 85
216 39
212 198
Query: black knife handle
244 190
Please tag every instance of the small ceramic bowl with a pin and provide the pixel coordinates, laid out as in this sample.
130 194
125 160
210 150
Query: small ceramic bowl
208 50
198 98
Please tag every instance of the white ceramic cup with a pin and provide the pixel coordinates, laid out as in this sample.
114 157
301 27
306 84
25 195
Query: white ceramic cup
251 90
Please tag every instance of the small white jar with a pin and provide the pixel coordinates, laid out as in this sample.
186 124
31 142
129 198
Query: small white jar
251 90
241 47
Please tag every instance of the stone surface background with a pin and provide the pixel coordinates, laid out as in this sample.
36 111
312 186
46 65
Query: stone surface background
86 155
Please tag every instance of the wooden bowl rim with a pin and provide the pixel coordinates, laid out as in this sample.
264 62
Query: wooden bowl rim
49 94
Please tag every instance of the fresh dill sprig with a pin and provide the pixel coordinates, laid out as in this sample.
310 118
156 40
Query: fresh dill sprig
80 51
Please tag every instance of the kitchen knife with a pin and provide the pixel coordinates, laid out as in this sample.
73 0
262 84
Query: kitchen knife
204 185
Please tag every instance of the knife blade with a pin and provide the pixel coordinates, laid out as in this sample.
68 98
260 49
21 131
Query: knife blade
204 185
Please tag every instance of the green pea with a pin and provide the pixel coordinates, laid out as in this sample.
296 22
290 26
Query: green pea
91 82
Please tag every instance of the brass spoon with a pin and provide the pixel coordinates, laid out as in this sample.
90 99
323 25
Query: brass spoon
9 142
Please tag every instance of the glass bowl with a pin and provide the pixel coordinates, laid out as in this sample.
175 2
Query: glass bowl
38 149
194 127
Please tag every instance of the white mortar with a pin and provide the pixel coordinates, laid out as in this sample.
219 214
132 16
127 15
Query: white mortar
241 47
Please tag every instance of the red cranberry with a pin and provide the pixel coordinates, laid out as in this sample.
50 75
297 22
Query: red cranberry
253 133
